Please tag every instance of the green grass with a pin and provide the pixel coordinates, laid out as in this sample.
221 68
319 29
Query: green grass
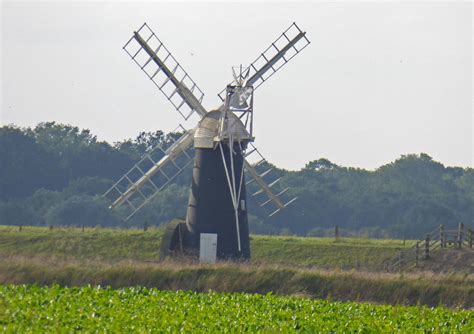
137 309
115 244
107 244
345 253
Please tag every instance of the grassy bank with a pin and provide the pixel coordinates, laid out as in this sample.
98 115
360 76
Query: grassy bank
423 288
110 244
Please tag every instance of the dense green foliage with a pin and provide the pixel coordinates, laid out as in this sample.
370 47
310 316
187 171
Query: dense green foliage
32 308
51 172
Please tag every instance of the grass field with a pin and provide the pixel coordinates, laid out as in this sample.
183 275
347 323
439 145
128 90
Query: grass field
112 244
345 253
57 309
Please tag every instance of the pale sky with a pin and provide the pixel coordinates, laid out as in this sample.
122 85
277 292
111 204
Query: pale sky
378 79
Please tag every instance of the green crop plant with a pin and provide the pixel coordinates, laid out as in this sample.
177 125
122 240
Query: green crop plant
29 308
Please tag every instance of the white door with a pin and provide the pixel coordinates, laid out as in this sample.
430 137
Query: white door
208 248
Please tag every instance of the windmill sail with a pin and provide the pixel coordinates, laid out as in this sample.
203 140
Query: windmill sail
156 170
291 42
150 54
268 189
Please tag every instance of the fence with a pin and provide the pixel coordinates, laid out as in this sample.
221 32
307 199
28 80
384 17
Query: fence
440 238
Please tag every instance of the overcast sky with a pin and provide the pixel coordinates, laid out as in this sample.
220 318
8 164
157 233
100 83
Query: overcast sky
378 79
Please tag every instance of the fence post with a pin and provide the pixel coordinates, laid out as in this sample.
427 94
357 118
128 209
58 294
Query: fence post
336 232
417 253
427 246
442 236
20 228
460 234
145 226
471 235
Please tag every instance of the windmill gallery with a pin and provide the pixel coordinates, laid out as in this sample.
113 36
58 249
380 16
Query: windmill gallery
222 144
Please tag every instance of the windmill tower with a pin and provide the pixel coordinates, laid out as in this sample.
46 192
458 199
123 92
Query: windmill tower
224 155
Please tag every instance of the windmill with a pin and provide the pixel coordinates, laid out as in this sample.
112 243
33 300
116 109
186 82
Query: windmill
224 155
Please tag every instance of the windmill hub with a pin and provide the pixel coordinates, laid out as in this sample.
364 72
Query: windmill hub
223 150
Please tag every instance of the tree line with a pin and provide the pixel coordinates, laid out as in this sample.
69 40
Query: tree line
55 174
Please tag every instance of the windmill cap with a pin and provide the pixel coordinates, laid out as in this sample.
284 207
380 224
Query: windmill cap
207 131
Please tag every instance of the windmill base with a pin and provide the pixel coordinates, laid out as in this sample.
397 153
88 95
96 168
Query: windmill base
173 241
178 242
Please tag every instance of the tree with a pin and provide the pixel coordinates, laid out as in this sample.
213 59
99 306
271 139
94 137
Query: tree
146 142
18 213
62 139
88 185
79 153
320 164
41 201
81 210
26 166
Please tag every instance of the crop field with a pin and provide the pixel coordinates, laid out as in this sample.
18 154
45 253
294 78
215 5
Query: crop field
29 308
